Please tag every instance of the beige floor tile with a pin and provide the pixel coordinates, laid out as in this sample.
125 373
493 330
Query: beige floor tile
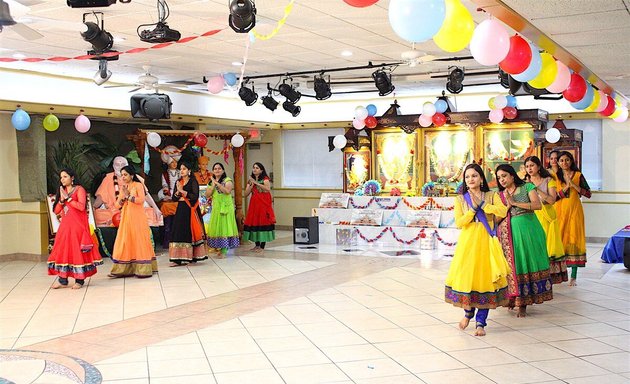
385 335
484 357
21 371
399 379
584 347
505 337
265 376
514 374
323 373
189 338
372 368
431 362
119 371
193 379
569 368
337 339
226 348
466 375
596 330
535 352
136 356
619 341
246 362
614 362
284 344
130 381
353 353
608 379
548 334
172 352
406 348
273 331
460 342
174 368
299 357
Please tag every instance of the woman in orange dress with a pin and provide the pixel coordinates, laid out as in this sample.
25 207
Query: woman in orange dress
74 253
133 251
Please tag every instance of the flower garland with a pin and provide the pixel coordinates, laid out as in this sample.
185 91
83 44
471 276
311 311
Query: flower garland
417 207
224 151
378 202
421 235
355 206
383 232
441 240
281 22
441 207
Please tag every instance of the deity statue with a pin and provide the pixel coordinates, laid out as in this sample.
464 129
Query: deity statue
203 175
107 194
170 156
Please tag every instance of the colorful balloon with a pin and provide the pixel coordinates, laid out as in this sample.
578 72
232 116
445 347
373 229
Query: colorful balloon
361 113
416 20
371 108
200 140
371 122
519 56
500 102
623 116
496 115
510 113
441 106
20 120
82 124
425 121
358 124
230 78
547 73
360 3
490 43
215 84
532 69
587 99
428 109
438 119
610 107
511 101
603 102
491 103
591 107
457 29
562 80
51 122
576 89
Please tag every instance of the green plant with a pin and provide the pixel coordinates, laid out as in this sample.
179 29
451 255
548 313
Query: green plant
68 154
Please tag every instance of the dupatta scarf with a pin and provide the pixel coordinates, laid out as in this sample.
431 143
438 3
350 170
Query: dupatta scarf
196 223
504 232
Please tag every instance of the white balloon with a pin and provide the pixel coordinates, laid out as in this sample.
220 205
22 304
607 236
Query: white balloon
623 117
361 112
552 135
154 139
340 141
237 140
500 102
428 109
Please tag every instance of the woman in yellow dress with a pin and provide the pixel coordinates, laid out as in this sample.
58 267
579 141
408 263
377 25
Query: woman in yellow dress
546 189
573 185
477 278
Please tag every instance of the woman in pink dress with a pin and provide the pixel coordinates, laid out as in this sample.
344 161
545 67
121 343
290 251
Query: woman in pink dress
74 253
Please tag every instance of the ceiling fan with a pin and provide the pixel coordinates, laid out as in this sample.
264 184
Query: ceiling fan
147 81
10 10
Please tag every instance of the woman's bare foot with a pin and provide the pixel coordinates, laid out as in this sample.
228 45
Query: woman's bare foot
77 286
259 250
572 282
522 312
463 323
58 285
480 331
175 265
255 249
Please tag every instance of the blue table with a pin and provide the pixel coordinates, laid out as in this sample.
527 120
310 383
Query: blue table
614 249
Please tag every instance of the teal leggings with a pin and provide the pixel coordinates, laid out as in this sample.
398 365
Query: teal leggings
574 272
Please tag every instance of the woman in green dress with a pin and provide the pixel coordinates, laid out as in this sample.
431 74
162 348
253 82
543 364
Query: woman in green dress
223 231
523 241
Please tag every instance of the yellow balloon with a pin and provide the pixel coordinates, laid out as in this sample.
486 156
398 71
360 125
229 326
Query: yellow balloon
596 99
617 112
491 103
547 74
51 122
457 28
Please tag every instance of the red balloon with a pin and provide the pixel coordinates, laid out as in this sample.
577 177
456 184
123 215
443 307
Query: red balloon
438 119
610 108
116 219
510 113
576 89
360 3
201 140
370 122
519 56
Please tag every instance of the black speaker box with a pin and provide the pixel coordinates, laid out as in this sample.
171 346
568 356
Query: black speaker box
306 230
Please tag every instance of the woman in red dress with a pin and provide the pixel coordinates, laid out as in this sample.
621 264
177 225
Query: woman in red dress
260 220
74 253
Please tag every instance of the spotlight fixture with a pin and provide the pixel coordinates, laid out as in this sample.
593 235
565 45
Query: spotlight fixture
249 96
5 15
504 79
269 102
293 109
103 74
96 35
383 82
289 92
91 3
455 79
322 87
242 17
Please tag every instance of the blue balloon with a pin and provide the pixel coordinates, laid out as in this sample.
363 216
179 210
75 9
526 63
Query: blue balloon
230 78
533 69
511 101
371 108
587 99
440 106
416 20
20 120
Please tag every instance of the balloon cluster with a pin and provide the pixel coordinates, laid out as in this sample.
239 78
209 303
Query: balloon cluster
433 113
216 83
21 121
364 117
501 107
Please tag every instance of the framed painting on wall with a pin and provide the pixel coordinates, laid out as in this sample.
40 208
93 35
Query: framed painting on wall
506 146
356 169
395 159
447 152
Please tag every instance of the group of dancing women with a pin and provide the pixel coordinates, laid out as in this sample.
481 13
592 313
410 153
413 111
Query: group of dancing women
517 242
75 252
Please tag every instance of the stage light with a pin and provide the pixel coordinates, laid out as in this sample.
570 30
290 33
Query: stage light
293 109
455 79
291 94
100 39
103 74
269 102
383 82
322 88
242 17
249 96
504 78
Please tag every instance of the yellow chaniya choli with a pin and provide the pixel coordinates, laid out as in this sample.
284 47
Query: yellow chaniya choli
477 277
571 218
549 220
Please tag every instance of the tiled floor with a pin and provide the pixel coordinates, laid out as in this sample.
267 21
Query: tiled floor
305 316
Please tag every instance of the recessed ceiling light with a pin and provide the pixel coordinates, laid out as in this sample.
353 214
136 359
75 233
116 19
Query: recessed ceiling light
19 56
237 63
346 53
